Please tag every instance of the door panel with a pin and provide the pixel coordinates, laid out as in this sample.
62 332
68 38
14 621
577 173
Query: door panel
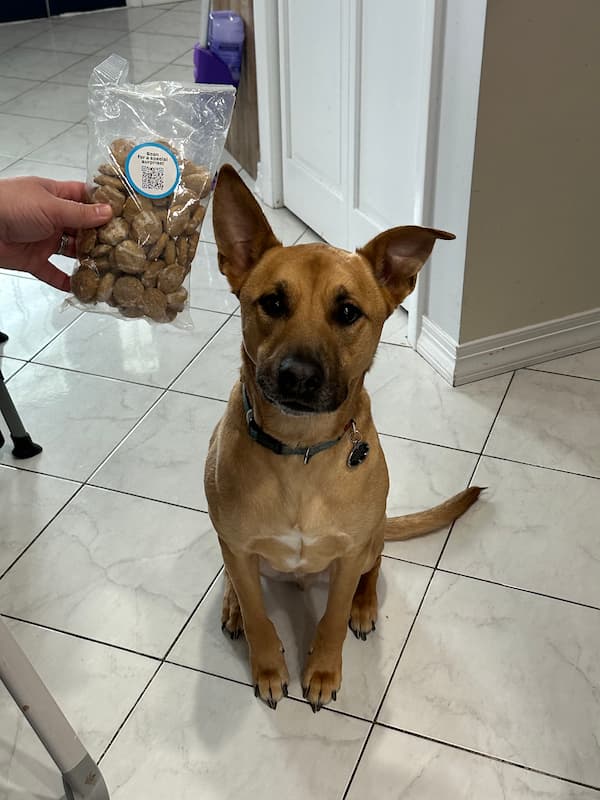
389 101
314 45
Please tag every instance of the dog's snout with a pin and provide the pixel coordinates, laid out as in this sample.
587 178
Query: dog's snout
300 377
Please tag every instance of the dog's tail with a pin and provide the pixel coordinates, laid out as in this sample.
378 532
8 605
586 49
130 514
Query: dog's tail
411 525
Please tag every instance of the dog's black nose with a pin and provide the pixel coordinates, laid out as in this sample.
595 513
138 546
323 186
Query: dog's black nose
299 378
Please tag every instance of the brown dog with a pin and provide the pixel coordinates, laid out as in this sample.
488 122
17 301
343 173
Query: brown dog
295 477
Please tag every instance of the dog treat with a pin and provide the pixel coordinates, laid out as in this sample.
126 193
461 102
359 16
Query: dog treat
86 241
153 151
85 284
114 231
154 304
105 287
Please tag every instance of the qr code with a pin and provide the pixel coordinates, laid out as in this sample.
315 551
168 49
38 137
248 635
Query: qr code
153 178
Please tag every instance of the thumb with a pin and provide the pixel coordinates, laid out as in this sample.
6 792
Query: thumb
69 214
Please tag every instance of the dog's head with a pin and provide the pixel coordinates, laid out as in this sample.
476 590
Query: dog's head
311 314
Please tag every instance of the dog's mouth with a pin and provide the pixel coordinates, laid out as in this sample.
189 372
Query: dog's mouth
325 403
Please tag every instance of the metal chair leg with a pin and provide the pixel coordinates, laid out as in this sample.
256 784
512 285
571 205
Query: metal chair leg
81 776
24 446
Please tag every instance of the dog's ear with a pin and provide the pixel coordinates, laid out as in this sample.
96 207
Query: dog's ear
397 255
242 232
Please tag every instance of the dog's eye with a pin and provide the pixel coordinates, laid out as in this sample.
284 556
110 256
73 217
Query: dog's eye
347 314
273 304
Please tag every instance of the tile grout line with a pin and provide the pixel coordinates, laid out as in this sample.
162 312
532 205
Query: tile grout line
73 635
475 468
566 374
163 661
419 607
481 754
87 481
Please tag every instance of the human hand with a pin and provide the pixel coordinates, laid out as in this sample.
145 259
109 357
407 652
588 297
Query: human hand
35 213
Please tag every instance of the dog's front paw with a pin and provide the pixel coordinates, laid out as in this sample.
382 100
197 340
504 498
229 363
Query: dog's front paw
321 682
270 677
362 617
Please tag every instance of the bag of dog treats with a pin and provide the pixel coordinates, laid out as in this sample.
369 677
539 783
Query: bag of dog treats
153 152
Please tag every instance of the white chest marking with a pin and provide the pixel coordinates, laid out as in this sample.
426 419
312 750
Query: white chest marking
296 542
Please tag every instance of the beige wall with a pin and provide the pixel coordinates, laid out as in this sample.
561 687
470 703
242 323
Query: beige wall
534 227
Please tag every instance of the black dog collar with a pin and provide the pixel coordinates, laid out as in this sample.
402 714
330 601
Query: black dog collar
357 455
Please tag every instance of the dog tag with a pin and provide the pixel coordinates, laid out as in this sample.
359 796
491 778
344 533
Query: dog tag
359 452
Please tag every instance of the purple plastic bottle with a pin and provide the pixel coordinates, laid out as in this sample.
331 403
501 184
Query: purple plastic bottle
226 40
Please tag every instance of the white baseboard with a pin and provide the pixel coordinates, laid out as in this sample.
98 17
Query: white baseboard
493 355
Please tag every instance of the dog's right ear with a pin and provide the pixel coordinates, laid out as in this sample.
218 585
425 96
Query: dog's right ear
242 232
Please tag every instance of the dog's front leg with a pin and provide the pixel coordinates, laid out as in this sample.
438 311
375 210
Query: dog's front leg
269 671
323 672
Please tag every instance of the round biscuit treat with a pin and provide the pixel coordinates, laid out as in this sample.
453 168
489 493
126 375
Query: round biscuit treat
131 311
176 300
116 230
105 287
103 264
177 220
170 252
153 270
146 228
198 181
130 257
154 303
193 241
120 149
182 250
86 241
134 204
108 169
128 292
196 220
171 278
112 196
84 284
186 198
157 248
109 180
101 250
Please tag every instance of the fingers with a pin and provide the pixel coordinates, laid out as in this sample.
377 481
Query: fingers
70 190
72 214
53 276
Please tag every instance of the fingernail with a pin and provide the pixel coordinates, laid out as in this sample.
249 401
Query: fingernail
103 210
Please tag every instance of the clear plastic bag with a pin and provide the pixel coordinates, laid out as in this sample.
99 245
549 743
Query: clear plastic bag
153 152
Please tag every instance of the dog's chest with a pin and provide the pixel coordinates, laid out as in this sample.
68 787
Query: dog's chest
299 551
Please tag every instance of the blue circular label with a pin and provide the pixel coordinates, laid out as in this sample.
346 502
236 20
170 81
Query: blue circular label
152 170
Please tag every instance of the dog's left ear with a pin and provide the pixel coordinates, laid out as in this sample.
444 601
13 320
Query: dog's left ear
242 232
397 255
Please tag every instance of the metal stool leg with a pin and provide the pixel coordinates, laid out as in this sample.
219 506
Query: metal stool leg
82 778
24 447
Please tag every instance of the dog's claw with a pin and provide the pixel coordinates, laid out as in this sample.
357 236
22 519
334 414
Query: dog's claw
256 690
305 692
334 695
315 707
284 689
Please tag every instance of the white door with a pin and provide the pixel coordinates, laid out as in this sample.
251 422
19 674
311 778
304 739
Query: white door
355 84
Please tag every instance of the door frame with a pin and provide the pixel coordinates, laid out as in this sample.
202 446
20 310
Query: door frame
270 169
